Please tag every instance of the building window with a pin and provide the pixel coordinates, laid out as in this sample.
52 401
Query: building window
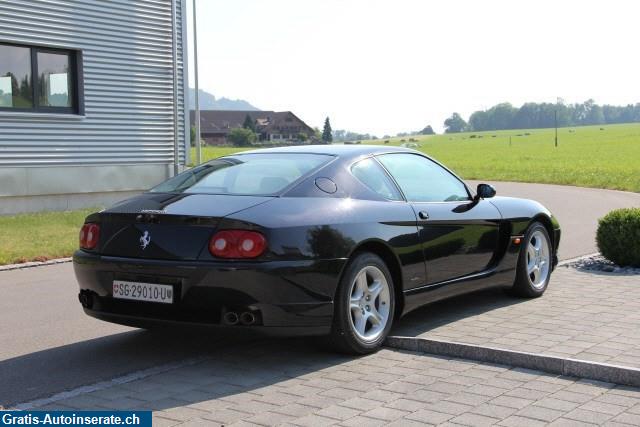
39 79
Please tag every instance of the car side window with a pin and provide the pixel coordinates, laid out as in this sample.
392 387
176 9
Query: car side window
371 174
423 180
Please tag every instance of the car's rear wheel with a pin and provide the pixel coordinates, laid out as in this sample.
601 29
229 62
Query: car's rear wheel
364 305
534 263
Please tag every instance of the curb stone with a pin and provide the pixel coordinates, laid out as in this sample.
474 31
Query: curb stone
34 264
551 364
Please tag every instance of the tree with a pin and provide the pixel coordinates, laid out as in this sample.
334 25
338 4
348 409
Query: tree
302 137
241 137
327 137
454 124
249 123
427 131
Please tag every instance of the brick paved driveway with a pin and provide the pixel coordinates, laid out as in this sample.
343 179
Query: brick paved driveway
588 316
292 382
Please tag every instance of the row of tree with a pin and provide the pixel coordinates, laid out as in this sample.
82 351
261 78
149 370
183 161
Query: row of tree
532 115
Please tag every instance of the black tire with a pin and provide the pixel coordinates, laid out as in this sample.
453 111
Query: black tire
344 337
523 286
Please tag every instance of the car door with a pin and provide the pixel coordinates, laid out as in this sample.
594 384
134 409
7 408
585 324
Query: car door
459 235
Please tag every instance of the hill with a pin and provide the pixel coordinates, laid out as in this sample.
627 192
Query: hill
209 102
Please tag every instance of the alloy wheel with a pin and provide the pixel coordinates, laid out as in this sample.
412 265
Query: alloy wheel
369 304
538 259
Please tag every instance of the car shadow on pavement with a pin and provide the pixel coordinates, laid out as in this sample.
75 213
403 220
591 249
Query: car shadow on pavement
446 312
45 373
231 363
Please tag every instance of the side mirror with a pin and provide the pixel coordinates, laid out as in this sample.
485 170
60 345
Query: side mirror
485 191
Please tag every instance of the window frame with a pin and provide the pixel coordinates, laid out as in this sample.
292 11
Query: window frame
384 170
428 159
75 81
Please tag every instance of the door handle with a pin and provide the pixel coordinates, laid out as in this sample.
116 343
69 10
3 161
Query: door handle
423 215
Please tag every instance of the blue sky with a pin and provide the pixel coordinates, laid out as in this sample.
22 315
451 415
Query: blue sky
394 66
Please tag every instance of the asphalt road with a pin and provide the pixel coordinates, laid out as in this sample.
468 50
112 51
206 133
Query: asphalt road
48 345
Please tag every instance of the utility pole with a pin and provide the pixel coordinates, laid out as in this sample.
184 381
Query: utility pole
556 120
174 49
197 86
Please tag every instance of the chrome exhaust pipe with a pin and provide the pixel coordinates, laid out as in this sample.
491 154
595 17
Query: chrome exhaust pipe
231 318
247 318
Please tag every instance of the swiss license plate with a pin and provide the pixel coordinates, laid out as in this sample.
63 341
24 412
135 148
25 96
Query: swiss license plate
143 291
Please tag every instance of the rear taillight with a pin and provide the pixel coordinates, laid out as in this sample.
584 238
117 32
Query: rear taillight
237 244
89 235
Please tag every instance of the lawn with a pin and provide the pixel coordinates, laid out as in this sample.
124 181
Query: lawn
40 236
605 156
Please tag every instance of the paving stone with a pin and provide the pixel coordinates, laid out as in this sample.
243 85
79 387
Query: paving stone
405 422
385 413
518 421
295 410
558 404
405 405
382 395
493 411
270 418
338 412
601 407
619 399
540 413
466 398
627 418
587 416
567 422
319 401
471 419
314 421
511 402
571 396
226 416
363 404
165 422
360 421
429 417
446 407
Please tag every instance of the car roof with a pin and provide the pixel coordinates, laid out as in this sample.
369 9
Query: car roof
343 151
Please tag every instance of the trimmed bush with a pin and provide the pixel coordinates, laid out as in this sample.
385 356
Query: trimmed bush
618 236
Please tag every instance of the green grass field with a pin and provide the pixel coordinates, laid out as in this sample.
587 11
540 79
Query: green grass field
585 156
40 236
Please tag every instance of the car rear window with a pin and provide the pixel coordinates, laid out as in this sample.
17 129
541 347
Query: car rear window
246 174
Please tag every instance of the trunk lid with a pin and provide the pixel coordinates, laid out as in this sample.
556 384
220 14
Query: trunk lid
166 226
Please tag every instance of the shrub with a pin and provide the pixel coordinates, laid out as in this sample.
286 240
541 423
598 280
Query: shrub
618 236
241 137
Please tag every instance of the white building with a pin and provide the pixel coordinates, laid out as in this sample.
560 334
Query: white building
92 100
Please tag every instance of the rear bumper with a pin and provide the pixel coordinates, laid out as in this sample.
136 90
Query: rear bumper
286 297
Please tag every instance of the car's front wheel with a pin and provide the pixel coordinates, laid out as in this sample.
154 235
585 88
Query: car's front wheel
534 263
364 305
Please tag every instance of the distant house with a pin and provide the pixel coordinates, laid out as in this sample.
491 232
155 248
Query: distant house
272 126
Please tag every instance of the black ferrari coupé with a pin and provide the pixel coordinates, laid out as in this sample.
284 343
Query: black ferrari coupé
332 240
